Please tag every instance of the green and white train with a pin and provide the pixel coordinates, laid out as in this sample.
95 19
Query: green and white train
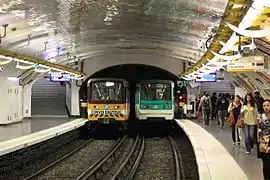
154 99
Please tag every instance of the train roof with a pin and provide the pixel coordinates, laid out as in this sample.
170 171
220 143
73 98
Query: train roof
106 79
156 81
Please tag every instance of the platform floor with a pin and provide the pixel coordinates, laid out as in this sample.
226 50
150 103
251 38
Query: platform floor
28 126
250 164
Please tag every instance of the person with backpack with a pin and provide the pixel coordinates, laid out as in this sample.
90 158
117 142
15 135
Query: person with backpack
206 106
222 107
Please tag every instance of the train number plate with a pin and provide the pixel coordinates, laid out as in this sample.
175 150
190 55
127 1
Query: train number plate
96 112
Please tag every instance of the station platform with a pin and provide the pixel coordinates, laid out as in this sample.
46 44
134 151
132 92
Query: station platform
250 164
28 126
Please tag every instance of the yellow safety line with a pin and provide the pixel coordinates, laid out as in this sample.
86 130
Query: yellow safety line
233 16
9 53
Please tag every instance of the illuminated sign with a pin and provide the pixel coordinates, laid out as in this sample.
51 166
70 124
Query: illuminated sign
58 78
207 78
247 64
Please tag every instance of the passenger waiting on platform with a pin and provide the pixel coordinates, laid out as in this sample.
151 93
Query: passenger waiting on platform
206 106
264 139
222 108
219 96
259 101
249 113
235 108
214 101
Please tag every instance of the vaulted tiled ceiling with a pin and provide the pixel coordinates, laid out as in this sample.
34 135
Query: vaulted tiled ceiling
83 27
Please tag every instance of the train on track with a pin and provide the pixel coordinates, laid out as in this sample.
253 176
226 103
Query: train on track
154 100
108 103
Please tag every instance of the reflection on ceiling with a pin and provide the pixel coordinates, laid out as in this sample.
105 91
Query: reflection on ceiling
84 27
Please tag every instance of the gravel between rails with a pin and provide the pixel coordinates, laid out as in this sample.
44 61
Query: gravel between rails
188 156
73 166
35 165
157 161
121 159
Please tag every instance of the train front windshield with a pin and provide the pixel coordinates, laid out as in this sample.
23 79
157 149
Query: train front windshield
156 92
107 90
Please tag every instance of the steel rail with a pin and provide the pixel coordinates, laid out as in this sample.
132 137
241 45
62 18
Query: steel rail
97 166
179 166
128 159
135 166
45 169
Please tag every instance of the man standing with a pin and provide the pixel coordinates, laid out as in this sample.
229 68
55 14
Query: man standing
206 106
214 101
222 108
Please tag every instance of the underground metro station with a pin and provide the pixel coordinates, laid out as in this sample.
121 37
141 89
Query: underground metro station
135 89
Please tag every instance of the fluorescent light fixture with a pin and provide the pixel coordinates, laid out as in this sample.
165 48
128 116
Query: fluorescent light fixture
252 46
58 73
13 78
23 61
79 78
249 33
18 66
265 3
5 62
187 79
228 58
8 59
76 77
237 6
41 70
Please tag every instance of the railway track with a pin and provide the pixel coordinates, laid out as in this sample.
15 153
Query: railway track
73 164
160 160
126 158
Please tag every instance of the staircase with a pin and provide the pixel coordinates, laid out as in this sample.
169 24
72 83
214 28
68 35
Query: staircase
224 86
48 99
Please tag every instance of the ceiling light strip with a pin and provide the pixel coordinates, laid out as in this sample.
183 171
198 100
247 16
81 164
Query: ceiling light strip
28 59
252 14
220 32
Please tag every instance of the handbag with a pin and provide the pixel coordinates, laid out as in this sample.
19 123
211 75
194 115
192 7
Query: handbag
263 143
240 122
230 119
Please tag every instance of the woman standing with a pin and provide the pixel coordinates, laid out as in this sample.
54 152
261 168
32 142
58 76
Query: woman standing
249 113
264 139
235 108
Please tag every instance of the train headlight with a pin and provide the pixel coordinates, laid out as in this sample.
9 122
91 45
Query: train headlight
145 107
96 107
166 107
116 107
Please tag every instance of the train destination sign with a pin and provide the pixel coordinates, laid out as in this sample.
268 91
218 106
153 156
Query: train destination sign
106 112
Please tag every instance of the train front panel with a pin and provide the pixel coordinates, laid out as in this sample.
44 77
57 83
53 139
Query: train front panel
108 100
155 100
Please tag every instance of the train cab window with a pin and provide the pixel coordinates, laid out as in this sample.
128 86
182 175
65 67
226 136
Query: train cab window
107 90
156 92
